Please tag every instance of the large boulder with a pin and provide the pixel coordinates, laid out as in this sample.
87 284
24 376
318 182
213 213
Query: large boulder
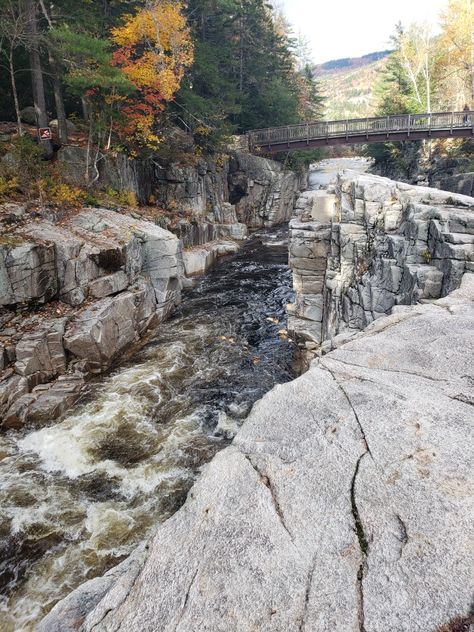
27 272
101 332
97 253
45 403
343 503
40 355
70 126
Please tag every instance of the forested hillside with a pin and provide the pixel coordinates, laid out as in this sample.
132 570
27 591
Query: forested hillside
349 85
124 74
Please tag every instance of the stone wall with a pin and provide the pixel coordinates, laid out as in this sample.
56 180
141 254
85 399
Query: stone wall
388 244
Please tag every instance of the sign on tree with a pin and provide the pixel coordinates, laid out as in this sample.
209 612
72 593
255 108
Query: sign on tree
45 133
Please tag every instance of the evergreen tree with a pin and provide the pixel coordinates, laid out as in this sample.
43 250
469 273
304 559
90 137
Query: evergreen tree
245 74
396 96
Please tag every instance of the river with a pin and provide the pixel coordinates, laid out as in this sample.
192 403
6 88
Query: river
77 496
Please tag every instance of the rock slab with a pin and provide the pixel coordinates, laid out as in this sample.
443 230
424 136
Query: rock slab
344 503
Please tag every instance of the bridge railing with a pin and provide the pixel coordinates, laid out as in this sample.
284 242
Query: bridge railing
404 123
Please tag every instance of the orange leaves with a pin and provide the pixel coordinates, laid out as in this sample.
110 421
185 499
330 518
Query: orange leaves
155 47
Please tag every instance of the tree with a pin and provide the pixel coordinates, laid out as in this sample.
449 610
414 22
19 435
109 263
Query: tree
457 50
154 51
417 56
397 95
55 71
13 34
37 82
246 73
102 87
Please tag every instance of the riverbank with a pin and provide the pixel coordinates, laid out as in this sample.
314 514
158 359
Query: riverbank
306 517
80 287
82 493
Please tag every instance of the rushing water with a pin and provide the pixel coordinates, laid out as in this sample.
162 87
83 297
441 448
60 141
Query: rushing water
76 497
324 173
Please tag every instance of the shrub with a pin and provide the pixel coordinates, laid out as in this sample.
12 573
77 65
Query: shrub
128 198
122 198
8 186
427 256
28 158
52 190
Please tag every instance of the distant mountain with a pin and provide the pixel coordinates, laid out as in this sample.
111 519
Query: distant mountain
348 85
348 63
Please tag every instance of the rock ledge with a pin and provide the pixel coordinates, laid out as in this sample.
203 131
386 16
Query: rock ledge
343 504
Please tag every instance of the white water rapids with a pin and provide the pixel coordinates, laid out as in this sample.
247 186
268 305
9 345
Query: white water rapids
77 496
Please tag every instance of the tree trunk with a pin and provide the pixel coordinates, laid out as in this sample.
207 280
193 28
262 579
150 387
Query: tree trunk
37 75
472 65
57 87
106 8
15 91
241 56
85 109
58 99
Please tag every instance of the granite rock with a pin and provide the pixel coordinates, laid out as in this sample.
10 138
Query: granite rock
343 504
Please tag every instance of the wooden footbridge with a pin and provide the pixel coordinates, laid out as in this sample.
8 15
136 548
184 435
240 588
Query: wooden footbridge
358 131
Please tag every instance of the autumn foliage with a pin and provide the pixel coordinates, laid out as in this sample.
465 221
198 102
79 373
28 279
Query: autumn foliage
154 51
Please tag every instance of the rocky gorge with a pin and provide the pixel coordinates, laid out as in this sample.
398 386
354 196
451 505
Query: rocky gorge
344 501
106 278
367 245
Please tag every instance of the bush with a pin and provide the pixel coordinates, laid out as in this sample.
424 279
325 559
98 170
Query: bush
52 190
28 158
122 198
8 186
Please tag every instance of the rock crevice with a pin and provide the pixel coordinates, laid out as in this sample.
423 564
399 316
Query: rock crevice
385 245
344 501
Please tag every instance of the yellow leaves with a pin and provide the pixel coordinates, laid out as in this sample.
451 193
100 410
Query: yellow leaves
8 186
156 47
457 53
164 25
60 193
154 50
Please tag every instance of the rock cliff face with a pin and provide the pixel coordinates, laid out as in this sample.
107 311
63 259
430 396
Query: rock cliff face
107 278
387 244
262 191
102 279
343 503
462 183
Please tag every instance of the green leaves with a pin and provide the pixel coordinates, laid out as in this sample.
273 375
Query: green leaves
88 62
245 73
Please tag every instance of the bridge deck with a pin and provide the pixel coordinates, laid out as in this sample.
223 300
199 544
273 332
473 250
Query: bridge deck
368 130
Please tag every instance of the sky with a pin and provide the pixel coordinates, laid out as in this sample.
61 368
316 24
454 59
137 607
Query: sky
351 28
